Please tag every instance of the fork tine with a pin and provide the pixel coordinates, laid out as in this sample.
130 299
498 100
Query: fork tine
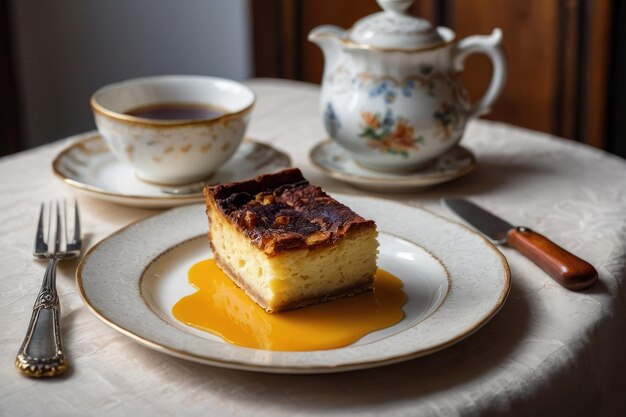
65 228
57 243
76 237
40 243
49 234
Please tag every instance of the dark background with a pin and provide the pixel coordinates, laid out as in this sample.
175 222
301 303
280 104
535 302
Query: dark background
567 59
616 117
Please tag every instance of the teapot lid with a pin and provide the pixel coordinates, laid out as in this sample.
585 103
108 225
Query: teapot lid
394 28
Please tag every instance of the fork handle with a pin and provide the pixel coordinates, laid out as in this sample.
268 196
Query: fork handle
41 353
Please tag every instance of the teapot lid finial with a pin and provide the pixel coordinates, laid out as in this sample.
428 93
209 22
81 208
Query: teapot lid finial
397 6
394 28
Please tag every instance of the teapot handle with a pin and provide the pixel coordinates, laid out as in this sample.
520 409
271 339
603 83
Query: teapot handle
489 45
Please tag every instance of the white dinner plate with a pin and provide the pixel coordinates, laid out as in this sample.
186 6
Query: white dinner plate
454 278
88 166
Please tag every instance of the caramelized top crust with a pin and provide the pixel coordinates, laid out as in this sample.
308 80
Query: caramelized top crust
282 211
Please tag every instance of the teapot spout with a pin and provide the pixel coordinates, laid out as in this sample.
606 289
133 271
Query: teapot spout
328 38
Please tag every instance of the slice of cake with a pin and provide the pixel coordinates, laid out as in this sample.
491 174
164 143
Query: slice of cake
287 243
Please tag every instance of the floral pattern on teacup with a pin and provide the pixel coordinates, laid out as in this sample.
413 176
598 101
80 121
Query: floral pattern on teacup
389 134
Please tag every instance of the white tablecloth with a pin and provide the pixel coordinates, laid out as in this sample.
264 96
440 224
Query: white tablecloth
549 352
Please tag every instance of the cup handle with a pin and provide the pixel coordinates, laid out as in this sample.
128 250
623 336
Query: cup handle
489 45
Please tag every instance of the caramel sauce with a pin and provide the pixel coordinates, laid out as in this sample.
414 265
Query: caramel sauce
221 308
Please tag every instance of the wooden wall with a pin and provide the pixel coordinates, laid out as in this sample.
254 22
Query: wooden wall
558 53
616 138
9 114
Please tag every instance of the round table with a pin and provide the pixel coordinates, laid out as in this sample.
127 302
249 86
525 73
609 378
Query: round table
548 352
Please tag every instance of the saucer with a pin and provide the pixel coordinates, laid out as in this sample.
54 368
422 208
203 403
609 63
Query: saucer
89 167
336 162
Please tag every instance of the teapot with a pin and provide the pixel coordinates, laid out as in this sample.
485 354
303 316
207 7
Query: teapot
391 94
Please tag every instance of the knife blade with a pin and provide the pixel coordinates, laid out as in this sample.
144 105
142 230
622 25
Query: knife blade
564 267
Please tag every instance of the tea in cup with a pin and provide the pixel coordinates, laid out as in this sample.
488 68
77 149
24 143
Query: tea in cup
173 129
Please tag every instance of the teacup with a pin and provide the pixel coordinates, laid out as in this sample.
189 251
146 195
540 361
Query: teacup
173 150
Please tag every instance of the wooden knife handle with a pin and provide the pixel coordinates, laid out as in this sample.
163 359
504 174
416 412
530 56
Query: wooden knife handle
567 269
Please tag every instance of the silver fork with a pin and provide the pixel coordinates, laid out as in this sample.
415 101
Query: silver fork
41 353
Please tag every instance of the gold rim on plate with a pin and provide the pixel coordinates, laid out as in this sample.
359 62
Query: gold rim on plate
235 364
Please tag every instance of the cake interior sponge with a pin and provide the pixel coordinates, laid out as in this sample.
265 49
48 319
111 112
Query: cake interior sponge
288 244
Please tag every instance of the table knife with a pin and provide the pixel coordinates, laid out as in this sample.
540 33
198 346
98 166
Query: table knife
565 268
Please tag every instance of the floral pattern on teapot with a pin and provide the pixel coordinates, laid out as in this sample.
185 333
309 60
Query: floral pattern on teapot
331 121
389 134
391 93
385 131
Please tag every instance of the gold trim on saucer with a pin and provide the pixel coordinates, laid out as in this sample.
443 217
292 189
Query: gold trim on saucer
409 181
81 144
